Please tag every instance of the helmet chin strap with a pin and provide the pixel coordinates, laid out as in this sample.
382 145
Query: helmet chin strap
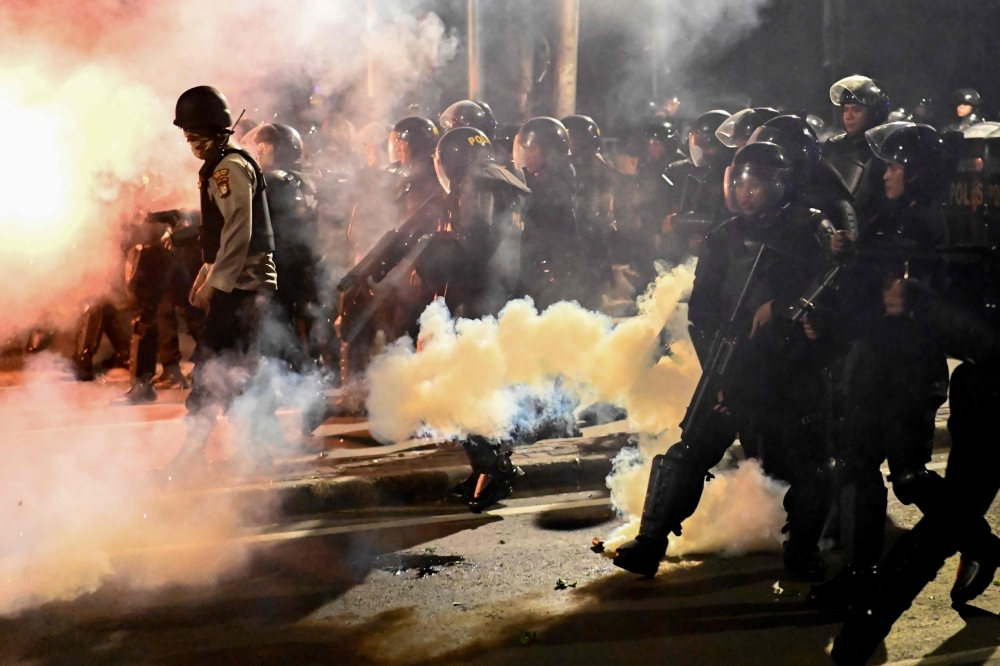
223 138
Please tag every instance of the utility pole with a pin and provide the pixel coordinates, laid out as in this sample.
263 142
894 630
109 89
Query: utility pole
566 57
475 41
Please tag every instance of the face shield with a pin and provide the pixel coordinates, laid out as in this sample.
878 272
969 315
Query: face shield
528 155
752 189
736 130
877 135
395 150
695 147
441 175
854 89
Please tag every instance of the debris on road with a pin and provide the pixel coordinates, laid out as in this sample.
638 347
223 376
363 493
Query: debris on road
597 545
777 587
562 584
528 637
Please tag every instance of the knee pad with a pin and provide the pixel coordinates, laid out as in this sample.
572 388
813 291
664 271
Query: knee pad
917 486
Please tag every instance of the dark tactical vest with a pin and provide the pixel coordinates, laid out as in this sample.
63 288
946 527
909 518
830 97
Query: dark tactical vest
212 220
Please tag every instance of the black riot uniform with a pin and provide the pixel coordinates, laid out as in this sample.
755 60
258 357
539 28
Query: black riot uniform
596 183
966 325
850 154
237 243
752 265
644 195
162 266
699 204
817 183
293 207
897 375
473 259
411 152
99 319
551 257
967 104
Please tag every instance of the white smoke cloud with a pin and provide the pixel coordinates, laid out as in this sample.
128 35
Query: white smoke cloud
470 376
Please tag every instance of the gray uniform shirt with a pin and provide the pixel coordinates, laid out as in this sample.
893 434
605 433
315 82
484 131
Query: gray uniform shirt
231 188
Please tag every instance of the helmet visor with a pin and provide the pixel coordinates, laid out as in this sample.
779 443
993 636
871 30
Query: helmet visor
751 189
877 135
395 150
853 89
442 176
736 131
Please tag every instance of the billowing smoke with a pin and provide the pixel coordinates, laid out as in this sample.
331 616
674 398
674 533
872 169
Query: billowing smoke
77 504
471 376
86 101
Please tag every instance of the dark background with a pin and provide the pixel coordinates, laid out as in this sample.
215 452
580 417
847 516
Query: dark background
913 48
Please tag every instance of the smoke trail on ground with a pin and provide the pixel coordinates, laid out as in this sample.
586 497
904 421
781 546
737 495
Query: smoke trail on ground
77 506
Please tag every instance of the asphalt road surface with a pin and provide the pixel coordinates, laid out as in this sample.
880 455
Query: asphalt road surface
441 586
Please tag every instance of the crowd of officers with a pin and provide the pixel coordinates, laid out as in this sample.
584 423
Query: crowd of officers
826 301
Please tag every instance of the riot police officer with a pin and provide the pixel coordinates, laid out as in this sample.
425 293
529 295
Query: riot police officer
752 268
293 208
411 153
699 202
162 264
735 131
864 106
237 243
475 254
817 183
967 104
467 113
953 520
595 196
550 247
897 371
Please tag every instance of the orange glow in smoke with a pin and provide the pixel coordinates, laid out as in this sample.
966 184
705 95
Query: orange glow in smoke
34 176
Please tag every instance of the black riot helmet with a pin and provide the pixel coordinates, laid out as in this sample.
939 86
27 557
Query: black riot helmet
661 140
458 152
735 131
419 135
540 141
584 136
704 145
804 148
286 141
203 108
758 181
967 96
491 119
466 114
919 149
861 90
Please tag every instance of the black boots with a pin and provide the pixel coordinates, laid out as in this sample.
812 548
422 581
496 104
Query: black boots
492 472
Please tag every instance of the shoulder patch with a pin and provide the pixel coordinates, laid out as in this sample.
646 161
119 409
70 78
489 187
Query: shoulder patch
222 182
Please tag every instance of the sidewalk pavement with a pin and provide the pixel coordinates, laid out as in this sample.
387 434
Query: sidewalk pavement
416 472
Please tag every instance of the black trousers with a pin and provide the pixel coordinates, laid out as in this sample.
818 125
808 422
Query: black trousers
953 521
160 290
897 379
225 355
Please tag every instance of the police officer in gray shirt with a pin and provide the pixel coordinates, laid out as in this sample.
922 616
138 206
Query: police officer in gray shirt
237 244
